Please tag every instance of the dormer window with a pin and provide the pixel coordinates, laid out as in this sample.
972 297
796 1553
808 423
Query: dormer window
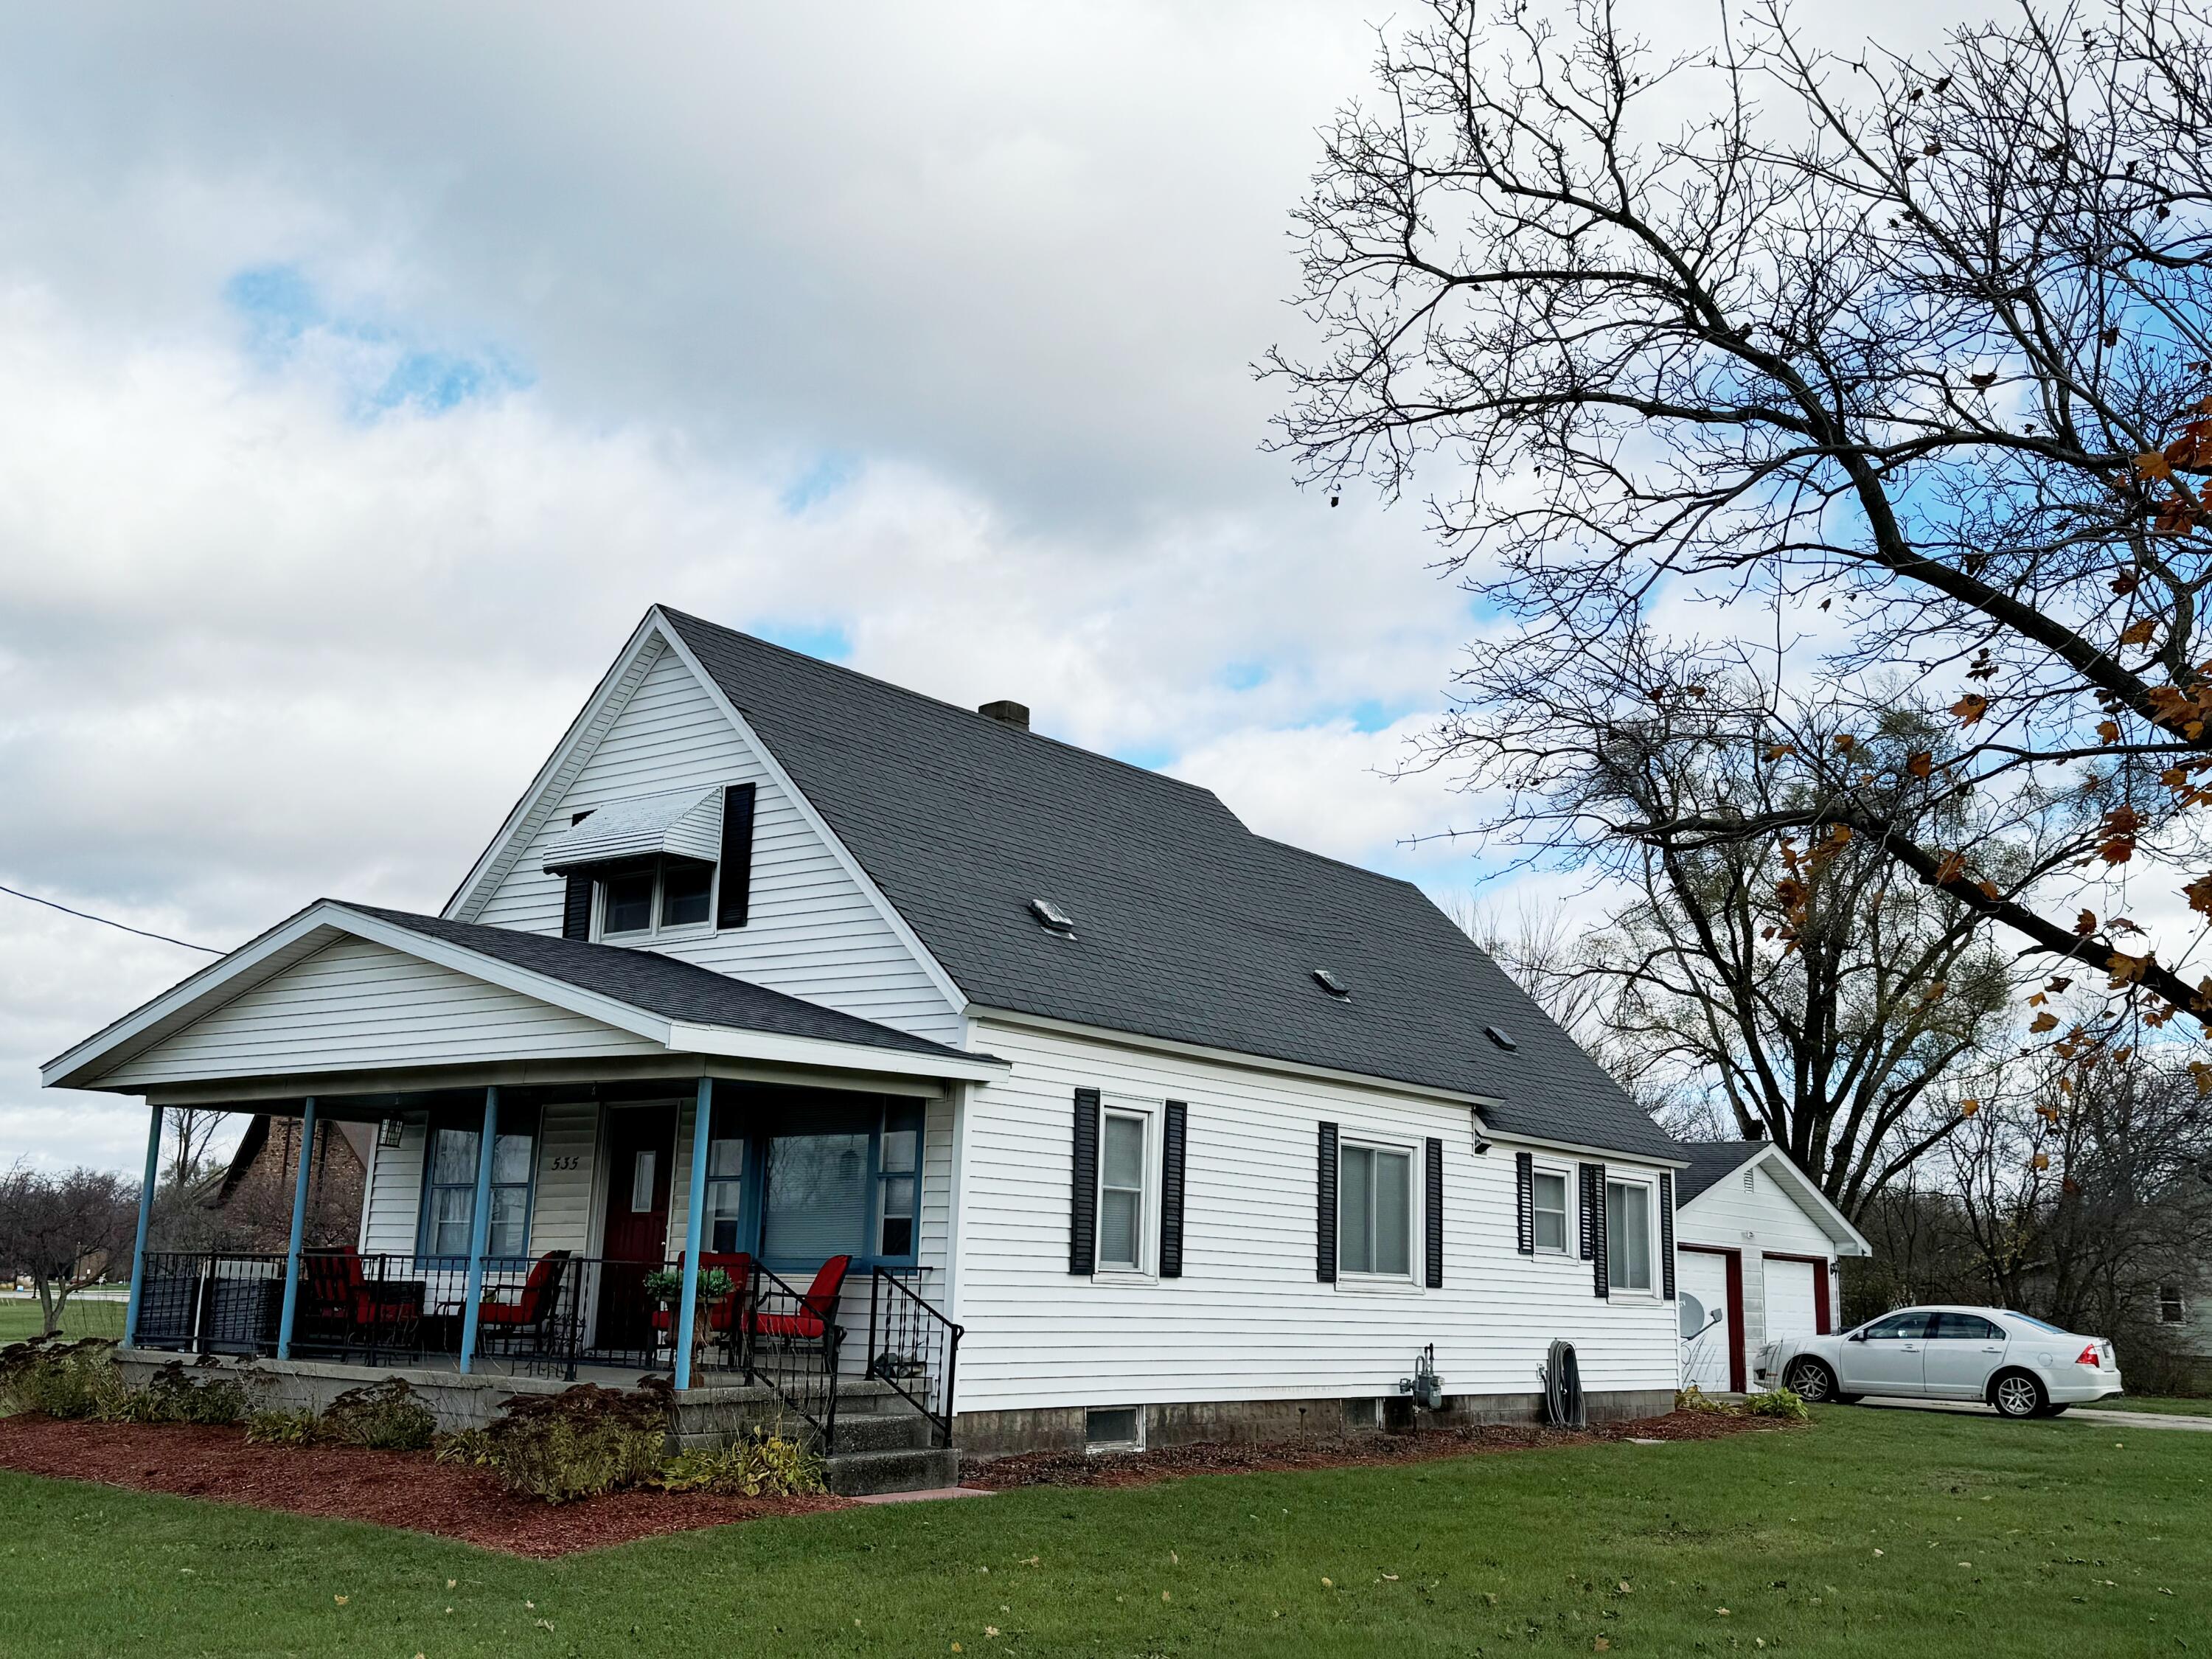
665 895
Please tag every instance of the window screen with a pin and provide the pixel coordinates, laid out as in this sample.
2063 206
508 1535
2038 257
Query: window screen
1375 1211
1550 1194
1121 1191
898 1168
1628 1235
817 1196
726 1171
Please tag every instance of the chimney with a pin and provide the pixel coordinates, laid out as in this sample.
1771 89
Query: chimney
1013 714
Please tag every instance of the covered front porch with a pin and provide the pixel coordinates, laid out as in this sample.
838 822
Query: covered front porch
747 1194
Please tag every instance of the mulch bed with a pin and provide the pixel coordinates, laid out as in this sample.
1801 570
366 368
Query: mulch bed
392 1489
1074 1468
410 1490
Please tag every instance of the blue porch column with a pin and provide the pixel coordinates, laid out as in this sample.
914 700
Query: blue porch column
299 1226
145 1215
479 1228
688 1310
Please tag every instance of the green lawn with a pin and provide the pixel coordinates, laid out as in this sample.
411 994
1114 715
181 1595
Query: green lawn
2137 1402
1889 1534
21 1318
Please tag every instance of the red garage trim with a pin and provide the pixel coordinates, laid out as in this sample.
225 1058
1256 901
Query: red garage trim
1819 1264
1735 1260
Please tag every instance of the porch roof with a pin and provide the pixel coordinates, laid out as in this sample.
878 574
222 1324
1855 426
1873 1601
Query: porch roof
641 1001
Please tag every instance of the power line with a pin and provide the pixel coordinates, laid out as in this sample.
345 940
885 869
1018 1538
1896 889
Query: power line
105 922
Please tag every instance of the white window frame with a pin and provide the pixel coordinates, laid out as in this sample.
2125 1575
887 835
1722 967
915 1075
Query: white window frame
1147 1193
2178 1301
1651 1291
657 929
1566 1176
1349 1279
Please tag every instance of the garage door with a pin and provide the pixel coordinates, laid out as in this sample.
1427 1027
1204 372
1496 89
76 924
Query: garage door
1701 1295
1793 1306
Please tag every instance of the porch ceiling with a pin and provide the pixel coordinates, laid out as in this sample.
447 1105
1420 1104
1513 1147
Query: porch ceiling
344 991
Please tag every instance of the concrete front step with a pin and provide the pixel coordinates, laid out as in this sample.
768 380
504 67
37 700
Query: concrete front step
890 1431
865 1473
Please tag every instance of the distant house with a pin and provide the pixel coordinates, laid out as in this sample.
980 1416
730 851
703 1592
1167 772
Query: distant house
932 1031
250 1199
1759 1245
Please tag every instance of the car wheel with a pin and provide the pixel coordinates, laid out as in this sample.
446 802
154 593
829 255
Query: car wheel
1811 1381
2016 1393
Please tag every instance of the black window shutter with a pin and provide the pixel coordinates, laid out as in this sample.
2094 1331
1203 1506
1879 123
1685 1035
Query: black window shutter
1083 1206
1587 1207
733 904
1524 1202
1601 1275
1171 1162
1325 1209
576 909
1435 1217
1667 1231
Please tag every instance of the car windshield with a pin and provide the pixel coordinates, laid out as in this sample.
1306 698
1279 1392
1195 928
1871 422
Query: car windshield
2030 1319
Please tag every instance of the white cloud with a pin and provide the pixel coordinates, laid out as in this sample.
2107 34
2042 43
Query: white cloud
261 639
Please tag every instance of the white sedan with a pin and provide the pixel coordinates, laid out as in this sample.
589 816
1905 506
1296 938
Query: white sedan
2022 1367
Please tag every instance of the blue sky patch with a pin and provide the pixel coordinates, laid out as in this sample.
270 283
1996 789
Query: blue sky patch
829 474
387 368
828 640
1246 676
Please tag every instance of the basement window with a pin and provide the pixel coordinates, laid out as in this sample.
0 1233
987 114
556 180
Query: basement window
1112 1429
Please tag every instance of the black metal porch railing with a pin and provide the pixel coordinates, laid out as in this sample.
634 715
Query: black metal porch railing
914 1348
202 1302
542 1316
792 1345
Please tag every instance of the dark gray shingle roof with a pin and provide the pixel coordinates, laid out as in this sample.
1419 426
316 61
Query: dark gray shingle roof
1188 927
660 985
1711 1161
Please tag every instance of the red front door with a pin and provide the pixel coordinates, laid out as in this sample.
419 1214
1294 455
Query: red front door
641 1146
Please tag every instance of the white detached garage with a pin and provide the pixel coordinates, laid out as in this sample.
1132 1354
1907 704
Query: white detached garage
1756 1250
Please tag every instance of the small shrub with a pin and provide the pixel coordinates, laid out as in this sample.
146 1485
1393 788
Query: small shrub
1695 1399
174 1396
278 1428
582 1442
64 1379
470 1448
758 1465
1779 1402
385 1416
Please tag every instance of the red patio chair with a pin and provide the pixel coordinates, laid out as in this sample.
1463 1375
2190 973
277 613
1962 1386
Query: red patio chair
816 1307
535 1303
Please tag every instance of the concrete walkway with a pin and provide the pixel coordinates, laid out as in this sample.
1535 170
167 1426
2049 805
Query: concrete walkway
2074 1414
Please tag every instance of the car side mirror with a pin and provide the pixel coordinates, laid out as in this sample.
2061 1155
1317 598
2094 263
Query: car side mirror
1855 1336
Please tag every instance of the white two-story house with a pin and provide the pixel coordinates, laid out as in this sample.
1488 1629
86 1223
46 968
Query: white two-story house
1188 1132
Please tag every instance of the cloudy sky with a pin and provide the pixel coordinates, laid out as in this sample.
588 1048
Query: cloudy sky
366 375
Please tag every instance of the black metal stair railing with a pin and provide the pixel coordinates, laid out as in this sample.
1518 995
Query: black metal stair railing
792 1347
915 1348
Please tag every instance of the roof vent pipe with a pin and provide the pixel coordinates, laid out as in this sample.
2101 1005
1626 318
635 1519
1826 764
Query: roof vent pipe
1008 712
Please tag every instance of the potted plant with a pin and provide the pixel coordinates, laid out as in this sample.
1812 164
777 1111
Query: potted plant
663 1288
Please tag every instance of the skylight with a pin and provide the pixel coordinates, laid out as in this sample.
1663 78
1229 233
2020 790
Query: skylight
1331 983
1502 1037
1055 919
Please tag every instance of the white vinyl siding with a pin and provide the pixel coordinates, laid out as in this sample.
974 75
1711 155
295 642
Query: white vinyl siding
392 1206
1248 1320
568 1142
359 1005
1754 1221
813 932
